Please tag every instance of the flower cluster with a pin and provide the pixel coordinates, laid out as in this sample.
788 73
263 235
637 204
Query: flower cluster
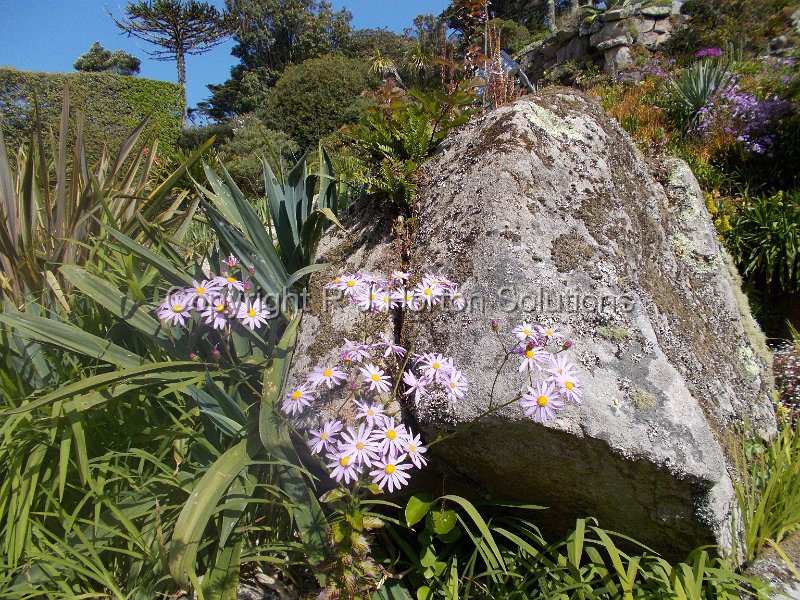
368 374
378 445
749 120
709 53
553 380
217 300
375 294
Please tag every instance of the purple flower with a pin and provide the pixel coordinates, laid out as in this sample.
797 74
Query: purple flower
706 52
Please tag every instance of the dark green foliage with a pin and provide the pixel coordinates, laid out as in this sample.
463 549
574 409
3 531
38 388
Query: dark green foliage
765 240
112 106
398 136
250 142
513 36
192 137
316 97
97 59
364 42
270 36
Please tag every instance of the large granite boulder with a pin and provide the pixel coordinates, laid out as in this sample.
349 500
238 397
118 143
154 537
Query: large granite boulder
546 211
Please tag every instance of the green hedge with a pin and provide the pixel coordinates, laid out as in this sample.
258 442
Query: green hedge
112 105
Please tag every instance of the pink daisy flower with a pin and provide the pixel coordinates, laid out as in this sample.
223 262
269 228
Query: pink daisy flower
201 293
524 332
323 439
560 367
354 351
390 437
175 310
570 387
373 413
253 313
216 313
330 376
406 299
416 386
391 473
295 402
542 402
436 367
343 467
533 358
359 445
376 378
229 282
391 347
456 385
415 450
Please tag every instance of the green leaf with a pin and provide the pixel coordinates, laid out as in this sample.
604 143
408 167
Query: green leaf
148 374
424 593
442 521
70 338
201 505
105 294
428 557
417 507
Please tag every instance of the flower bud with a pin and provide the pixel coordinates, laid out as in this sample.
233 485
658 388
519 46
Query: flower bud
251 269
194 357
248 286
353 385
215 354
567 344
495 325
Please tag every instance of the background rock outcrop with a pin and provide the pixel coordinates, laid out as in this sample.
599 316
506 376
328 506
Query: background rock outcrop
605 38
550 199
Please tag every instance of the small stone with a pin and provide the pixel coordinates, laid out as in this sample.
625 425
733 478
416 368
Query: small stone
623 40
656 11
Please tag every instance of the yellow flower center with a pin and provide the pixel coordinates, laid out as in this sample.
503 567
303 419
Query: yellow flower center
297 395
359 445
351 283
386 300
391 434
200 291
177 308
568 385
526 331
549 332
427 291
335 280
327 372
389 469
344 460
453 384
251 313
231 279
375 377
220 308
541 401
324 435
370 412
436 366
528 353
412 448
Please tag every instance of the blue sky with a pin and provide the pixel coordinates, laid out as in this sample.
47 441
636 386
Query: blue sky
48 35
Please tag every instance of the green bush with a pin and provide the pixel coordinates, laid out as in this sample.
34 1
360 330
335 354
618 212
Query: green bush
112 105
765 240
317 97
251 141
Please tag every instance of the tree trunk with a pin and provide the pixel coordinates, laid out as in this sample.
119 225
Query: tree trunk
181 60
551 14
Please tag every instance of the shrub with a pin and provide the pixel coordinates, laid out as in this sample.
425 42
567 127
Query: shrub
252 141
692 90
765 239
113 104
317 97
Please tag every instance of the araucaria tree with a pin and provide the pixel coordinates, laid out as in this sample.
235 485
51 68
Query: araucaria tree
177 28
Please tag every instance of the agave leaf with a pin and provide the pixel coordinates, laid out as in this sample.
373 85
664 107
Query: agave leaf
201 505
274 433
